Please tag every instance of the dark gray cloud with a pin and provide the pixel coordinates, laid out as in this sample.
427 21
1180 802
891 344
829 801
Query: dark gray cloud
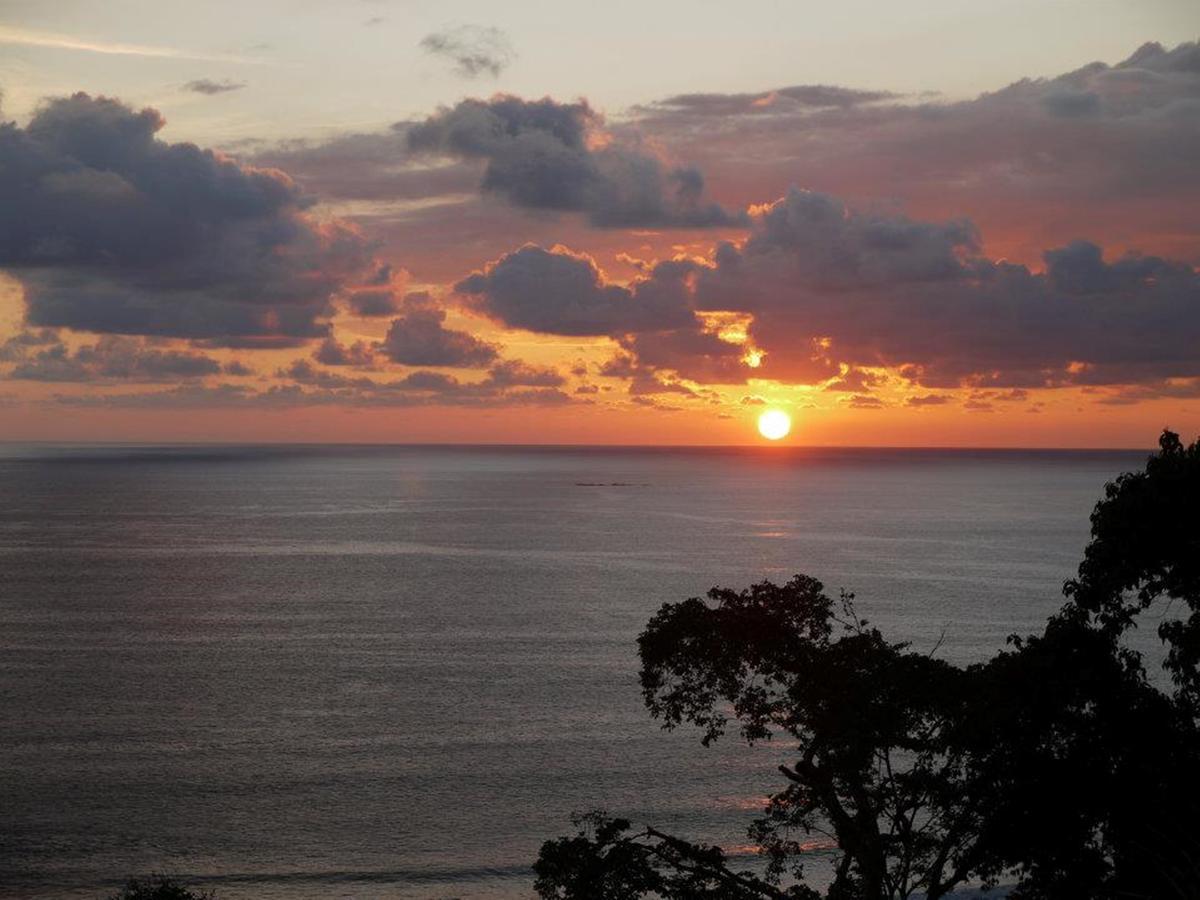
474 50
643 379
237 368
112 358
515 372
372 302
690 352
331 353
112 230
836 247
540 155
209 87
559 292
419 337
379 295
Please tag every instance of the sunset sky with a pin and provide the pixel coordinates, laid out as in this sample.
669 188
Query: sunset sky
930 223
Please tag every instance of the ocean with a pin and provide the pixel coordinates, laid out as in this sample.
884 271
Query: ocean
364 671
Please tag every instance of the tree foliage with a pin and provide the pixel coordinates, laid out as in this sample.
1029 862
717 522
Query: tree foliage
1055 766
1145 547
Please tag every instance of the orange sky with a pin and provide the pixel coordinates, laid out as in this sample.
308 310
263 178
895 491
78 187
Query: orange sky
1011 269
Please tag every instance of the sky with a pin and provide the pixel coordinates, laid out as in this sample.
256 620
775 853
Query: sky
920 224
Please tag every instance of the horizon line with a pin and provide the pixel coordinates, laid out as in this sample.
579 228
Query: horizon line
771 447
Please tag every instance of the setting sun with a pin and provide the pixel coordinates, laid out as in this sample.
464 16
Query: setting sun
774 424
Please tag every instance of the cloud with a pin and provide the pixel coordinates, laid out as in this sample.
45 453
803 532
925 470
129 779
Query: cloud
542 154
829 290
1029 178
17 347
372 302
865 401
856 381
1174 389
781 101
655 405
1106 150
332 353
374 168
112 230
473 49
690 352
182 397
419 337
27 37
209 87
307 385
513 372
380 295
647 383
112 358
557 291
928 400
886 291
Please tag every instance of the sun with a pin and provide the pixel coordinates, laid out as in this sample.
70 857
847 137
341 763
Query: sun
774 424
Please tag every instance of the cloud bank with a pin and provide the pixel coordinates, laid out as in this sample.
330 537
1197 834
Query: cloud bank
830 291
1105 150
112 230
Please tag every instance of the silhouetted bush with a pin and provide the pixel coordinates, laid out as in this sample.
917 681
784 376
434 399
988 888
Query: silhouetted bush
1055 766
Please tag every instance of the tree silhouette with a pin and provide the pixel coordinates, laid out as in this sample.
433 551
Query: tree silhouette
1146 546
1055 766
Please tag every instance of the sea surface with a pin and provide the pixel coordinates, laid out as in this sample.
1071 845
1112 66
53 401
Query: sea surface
313 672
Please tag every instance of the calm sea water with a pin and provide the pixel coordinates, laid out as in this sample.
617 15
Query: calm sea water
394 672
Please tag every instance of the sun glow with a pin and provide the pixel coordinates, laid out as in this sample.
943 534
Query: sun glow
774 424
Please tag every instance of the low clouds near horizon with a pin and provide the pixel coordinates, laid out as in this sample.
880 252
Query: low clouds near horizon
827 287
